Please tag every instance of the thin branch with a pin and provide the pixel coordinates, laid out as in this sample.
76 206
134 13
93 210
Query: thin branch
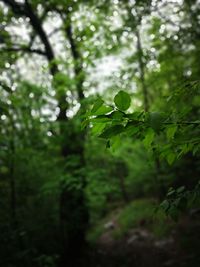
54 31
42 18
172 123
184 123
5 87
24 49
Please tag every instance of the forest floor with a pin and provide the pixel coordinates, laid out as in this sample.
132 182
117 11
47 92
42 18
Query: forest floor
139 245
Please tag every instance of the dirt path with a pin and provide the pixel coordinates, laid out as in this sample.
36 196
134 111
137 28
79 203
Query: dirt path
139 248
136 249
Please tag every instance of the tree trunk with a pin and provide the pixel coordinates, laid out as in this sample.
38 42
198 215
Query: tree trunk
157 164
13 204
124 193
142 71
74 222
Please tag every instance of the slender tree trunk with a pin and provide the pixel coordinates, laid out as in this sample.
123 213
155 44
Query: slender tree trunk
157 164
146 103
78 71
74 215
15 223
13 204
142 70
124 193
121 172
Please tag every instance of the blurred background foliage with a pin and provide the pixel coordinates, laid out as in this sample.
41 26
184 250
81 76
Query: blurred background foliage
61 189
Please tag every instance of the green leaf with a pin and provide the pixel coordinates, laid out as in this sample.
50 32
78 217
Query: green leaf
184 149
135 115
171 130
171 192
171 158
180 189
174 213
155 120
98 128
149 136
122 100
117 115
165 205
115 143
84 124
102 110
112 131
100 119
98 103
195 149
131 128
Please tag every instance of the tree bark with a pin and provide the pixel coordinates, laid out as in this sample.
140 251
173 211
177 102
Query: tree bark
13 204
142 70
76 203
